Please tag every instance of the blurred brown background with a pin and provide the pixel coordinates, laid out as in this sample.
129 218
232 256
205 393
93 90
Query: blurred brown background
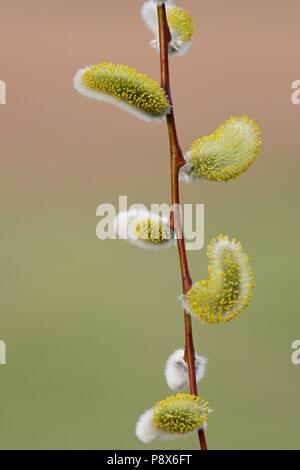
89 324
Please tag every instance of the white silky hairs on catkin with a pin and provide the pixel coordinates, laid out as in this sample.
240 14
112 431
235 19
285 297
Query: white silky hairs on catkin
145 229
146 431
177 373
180 24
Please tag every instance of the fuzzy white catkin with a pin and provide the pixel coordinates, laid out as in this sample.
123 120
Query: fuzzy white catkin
176 370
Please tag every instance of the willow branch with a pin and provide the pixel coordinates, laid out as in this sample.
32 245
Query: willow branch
177 161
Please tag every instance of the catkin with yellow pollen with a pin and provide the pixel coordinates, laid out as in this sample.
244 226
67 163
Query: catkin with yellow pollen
145 229
180 23
228 288
152 231
225 154
176 416
124 87
181 413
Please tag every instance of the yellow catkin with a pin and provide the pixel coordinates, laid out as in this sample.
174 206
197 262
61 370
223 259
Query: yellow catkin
227 290
152 232
181 23
129 86
227 153
181 413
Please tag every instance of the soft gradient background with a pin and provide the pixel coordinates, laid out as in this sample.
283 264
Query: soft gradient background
89 324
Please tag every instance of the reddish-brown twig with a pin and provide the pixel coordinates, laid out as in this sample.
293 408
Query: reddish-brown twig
177 161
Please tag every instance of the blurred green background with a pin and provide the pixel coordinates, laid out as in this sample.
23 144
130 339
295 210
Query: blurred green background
89 324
